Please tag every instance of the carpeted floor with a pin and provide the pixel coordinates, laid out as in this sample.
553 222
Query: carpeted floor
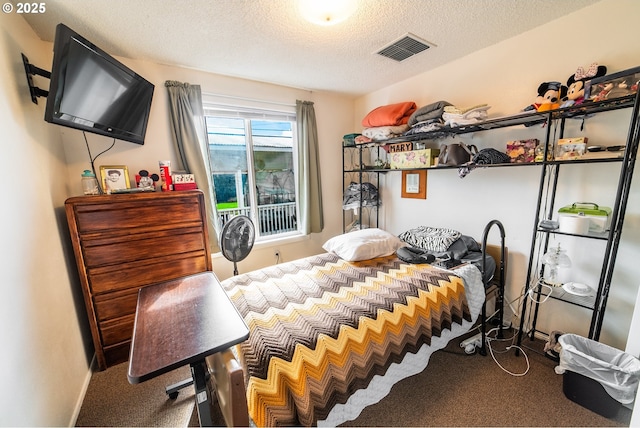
471 390
111 401
455 390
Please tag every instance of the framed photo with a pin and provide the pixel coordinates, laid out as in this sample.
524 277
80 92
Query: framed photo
414 184
613 86
114 177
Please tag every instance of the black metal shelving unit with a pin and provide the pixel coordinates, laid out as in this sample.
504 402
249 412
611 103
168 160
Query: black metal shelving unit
546 194
358 168
549 179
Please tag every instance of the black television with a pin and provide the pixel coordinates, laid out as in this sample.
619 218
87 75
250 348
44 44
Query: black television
93 92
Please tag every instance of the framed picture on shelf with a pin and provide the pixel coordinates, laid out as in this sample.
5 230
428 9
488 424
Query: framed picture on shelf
414 184
114 177
613 86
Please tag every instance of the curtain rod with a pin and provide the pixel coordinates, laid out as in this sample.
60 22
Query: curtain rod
248 99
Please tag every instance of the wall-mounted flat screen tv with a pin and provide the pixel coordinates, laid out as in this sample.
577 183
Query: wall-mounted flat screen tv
93 92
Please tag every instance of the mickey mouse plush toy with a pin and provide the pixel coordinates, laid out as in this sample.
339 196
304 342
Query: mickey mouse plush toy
549 93
577 81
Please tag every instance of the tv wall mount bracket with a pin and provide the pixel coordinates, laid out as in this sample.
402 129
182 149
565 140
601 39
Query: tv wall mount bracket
30 70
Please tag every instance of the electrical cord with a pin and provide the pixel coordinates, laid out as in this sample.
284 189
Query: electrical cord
508 348
490 339
526 325
522 297
536 282
92 159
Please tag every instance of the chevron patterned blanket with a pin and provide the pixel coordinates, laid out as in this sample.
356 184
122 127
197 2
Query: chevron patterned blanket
321 328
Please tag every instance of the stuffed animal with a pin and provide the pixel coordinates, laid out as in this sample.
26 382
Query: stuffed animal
577 81
549 95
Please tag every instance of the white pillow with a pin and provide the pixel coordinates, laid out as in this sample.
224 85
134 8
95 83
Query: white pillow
363 244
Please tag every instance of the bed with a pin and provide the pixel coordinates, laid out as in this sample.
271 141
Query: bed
331 333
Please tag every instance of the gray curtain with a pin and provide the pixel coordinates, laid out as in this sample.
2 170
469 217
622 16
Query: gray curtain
309 184
189 132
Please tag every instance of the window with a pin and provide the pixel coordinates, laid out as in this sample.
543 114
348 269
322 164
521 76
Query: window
253 163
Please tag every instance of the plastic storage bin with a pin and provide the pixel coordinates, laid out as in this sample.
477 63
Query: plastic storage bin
597 376
597 218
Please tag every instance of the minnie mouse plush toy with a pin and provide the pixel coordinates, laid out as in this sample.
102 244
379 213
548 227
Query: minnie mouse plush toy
577 82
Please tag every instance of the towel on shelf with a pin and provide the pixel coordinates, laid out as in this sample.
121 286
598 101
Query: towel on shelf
380 133
457 110
426 126
389 115
429 112
362 139
465 116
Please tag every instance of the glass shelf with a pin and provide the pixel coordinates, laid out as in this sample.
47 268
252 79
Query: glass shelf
591 235
559 293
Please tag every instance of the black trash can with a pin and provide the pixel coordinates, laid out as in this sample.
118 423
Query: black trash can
597 376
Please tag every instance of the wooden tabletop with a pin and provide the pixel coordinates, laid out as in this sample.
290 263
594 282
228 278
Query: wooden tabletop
180 322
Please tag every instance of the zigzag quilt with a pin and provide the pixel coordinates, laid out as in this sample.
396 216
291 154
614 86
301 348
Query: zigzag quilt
321 328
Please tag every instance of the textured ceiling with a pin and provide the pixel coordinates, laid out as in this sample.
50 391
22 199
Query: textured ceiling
268 41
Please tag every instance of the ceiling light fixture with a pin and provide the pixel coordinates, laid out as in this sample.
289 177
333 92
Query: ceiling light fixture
326 12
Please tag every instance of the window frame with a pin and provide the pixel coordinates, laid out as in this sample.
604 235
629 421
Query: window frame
268 112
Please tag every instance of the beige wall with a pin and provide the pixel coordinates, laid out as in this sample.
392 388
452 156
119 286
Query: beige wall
506 77
44 363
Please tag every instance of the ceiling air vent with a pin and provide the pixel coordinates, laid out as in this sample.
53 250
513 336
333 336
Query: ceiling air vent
403 48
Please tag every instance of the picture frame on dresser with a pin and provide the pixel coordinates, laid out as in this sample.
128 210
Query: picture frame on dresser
114 177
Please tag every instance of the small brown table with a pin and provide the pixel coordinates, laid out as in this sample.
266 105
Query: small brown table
180 322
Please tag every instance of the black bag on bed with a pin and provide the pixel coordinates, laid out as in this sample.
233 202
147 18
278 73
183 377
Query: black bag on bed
414 255
463 250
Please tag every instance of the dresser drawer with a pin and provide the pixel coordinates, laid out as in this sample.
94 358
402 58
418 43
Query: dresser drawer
117 354
117 213
116 305
139 274
117 330
126 249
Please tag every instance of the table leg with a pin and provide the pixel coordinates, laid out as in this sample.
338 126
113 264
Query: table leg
203 398
173 390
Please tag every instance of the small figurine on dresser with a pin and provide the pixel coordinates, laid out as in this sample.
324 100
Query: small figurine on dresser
146 180
184 182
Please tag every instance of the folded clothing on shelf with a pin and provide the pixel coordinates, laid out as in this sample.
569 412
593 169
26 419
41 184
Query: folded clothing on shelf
428 113
379 133
456 116
389 115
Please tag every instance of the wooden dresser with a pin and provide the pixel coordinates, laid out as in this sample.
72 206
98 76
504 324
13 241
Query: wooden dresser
126 241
